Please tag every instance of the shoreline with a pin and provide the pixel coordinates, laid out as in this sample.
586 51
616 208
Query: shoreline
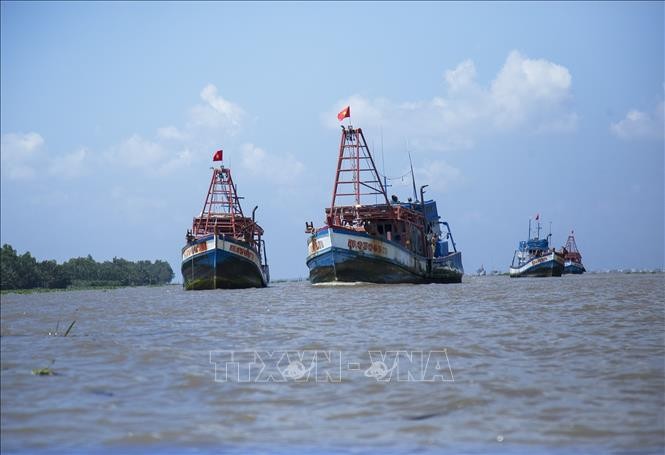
280 281
79 288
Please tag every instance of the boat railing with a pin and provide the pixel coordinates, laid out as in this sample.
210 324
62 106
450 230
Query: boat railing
265 254
449 234
374 212
519 260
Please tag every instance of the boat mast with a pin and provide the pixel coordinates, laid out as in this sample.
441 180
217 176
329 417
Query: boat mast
571 248
383 163
221 206
356 174
413 181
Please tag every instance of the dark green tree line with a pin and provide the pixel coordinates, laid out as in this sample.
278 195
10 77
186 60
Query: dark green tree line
24 272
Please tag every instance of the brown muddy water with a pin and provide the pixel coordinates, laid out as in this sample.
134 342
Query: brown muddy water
492 365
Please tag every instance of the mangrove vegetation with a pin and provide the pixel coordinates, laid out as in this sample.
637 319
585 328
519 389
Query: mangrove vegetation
25 272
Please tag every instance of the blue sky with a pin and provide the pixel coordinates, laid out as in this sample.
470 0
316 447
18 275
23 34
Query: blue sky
111 113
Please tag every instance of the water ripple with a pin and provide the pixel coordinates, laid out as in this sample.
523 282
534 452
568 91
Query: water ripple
539 365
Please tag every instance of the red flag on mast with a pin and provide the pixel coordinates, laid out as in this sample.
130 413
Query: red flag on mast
344 113
218 156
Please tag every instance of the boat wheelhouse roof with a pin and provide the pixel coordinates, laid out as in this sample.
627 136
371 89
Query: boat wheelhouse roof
534 244
378 212
431 211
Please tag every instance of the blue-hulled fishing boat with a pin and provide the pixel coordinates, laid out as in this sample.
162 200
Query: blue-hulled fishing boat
369 238
573 258
534 257
224 249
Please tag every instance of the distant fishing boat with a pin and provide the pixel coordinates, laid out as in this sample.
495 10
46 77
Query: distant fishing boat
224 247
534 257
572 257
481 271
369 238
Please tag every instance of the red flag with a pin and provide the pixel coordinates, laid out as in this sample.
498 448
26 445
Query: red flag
344 113
218 155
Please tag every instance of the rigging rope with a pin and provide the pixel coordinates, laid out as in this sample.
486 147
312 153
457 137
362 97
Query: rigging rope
394 178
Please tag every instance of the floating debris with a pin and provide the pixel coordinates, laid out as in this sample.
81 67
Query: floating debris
43 372
55 333
70 327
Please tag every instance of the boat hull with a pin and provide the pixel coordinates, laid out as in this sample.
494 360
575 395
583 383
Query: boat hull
573 268
218 263
551 264
340 255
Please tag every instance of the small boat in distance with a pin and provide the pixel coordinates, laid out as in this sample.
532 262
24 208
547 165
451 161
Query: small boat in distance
369 238
534 257
572 257
224 247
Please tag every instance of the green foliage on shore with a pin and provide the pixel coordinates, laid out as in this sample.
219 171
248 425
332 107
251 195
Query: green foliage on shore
25 272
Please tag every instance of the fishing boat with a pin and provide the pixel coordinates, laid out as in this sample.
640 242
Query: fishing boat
224 249
370 238
572 257
534 257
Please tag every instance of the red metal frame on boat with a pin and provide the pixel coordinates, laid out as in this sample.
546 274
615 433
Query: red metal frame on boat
571 251
356 181
222 213
356 159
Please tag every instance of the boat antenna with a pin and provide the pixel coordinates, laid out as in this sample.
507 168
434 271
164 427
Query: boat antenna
383 163
413 180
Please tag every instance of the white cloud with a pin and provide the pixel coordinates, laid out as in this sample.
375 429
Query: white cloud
168 151
462 76
137 152
134 205
23 155
181 160
640 125
19 143
70 165
146 155
217 112
526 95
171 148
439 175
564 123
171 133
279 169
527 88
19 153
